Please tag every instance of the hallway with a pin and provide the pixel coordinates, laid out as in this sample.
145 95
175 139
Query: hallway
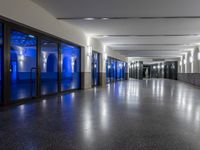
157 114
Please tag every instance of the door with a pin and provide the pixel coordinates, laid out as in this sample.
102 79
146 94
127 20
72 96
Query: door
1 62
70 67
23 66
108 70
48 67
95 69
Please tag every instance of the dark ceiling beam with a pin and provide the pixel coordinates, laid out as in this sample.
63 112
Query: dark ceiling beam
120 18
161 50
152 44
150 35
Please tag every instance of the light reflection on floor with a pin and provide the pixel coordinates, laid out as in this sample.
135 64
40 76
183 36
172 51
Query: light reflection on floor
148 114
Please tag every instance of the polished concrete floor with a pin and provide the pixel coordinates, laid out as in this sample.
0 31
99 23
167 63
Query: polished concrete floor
27 89
153 114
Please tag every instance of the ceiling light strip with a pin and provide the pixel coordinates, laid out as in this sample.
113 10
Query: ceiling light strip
161 50
120 18
154 44
157 35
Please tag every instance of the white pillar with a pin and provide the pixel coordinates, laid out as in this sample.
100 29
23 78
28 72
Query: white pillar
195 63
185 63
180 65
86 55
188 64
198 57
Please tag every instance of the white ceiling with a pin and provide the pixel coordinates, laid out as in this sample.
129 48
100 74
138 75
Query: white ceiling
166 41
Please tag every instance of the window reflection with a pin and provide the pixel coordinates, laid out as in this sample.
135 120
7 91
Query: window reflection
70 67
49 67
22 60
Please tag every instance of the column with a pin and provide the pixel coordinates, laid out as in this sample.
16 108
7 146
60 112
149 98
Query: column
187 63
103 58
198 60
140 70
195 63
86 54
180 66
127 71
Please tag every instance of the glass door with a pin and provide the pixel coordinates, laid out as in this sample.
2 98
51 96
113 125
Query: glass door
108 67
1 52
115 70
112 70
95 69
23 66
70 67
48 67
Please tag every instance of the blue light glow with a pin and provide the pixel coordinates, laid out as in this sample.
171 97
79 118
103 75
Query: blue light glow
49 67
22 39
70 67
22 59
95 68
115 70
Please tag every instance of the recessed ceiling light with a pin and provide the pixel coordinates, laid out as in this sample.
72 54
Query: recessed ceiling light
104 18
197 44
105 36
89 18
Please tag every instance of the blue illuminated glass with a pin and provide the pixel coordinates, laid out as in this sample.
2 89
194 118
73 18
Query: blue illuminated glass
22 64
95 69
1 50
70 67
125 69
120 66
108 70
111 70
49 67
115 70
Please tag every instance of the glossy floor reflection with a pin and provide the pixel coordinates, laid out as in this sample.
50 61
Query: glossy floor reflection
141 115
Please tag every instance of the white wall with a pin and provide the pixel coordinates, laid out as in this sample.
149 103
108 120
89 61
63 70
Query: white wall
195 65
181 67
190 67
185 62
198 64
102 49
31 14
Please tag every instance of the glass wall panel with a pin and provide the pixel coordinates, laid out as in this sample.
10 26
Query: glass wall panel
120 66
112 70
115 70
95 69
118 70
108 70
125 69
70 67
1 52
49 67
22 64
